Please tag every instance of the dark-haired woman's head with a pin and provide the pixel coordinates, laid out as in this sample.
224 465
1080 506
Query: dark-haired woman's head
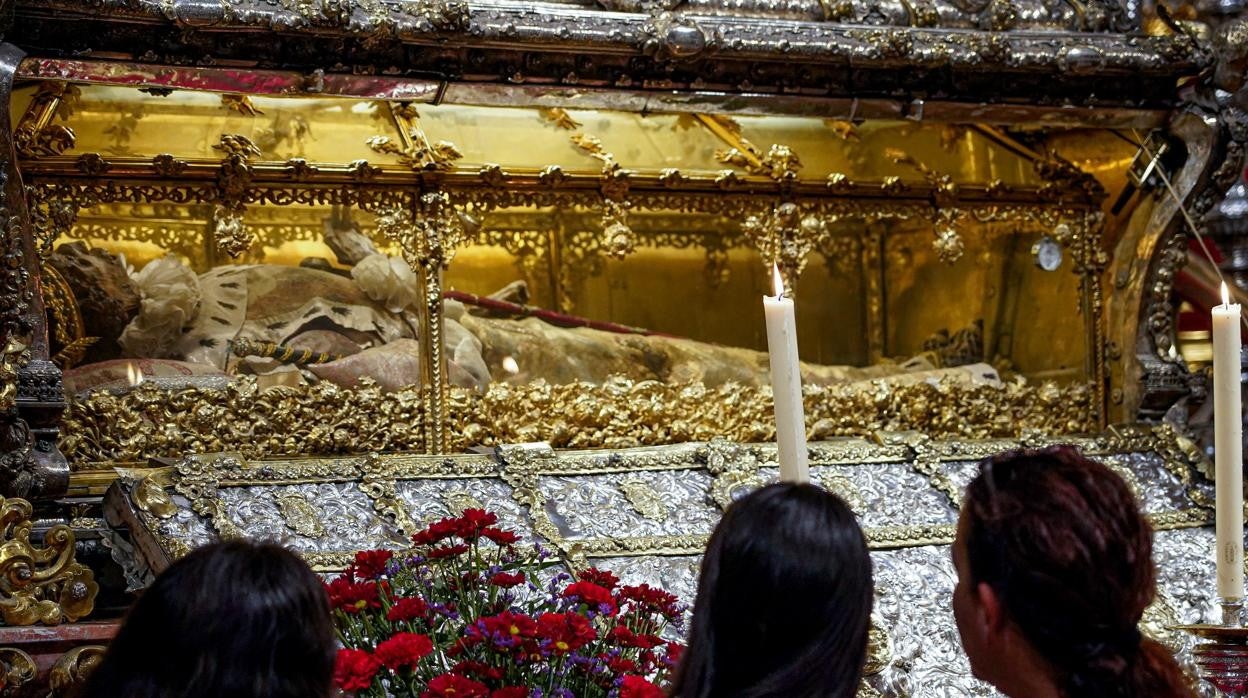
231 619
1055 570
784 602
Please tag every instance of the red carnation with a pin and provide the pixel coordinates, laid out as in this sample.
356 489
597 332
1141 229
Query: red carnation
437 531
455 686
506 580
403 650
481 670
648 598
408 608
596 597
510 692
566 632
352 597
500 536
648 642
637 687
448 551
621 665
473 521
602 578
506 629
354 669
622 636
370 564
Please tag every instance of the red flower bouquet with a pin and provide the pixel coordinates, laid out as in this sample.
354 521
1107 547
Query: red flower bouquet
466 614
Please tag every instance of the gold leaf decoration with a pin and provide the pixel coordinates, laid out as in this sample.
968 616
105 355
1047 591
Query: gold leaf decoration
325 419
560 118
40 584
644 499
299 514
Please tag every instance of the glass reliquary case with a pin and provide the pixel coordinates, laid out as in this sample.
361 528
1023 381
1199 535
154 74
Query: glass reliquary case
300 276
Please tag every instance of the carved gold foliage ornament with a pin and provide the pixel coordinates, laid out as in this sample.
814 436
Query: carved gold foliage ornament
51 218
1160 622
729 487
560 118
198 480
19 669
414 150
785 238
40 584
619 239
229 231
72 669
944 190
458 500
299 514
845 488
235 145
36 135
321 419
592 146
779 162
948 243
13 356
241 104
234 179
429 239
150 497
380 487
879 647
325 419
644 500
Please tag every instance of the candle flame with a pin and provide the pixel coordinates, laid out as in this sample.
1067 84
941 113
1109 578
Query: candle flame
777 282
134 374
1226 295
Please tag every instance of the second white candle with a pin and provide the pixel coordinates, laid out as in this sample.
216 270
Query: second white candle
1228 447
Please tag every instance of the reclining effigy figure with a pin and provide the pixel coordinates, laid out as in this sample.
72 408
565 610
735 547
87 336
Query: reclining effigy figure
294 325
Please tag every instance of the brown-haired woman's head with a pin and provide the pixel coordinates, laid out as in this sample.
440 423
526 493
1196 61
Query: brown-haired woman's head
1055 570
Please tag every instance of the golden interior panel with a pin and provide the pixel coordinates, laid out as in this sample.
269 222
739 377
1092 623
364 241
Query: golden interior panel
605 245
123 122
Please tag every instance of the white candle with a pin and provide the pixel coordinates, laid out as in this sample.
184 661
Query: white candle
786 383
1228 449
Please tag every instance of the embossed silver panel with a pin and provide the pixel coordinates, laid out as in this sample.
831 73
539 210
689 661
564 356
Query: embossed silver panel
597 506
345 513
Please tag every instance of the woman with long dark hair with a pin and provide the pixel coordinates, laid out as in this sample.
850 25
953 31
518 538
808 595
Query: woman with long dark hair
1055 569
784 601
234 619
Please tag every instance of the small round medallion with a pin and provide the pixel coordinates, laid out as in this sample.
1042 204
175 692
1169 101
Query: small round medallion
1047 253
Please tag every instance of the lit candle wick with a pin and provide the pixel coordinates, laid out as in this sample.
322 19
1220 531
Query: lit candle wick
1226 295
777 282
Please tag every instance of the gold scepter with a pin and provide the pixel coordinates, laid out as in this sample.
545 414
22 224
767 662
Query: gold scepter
244 347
